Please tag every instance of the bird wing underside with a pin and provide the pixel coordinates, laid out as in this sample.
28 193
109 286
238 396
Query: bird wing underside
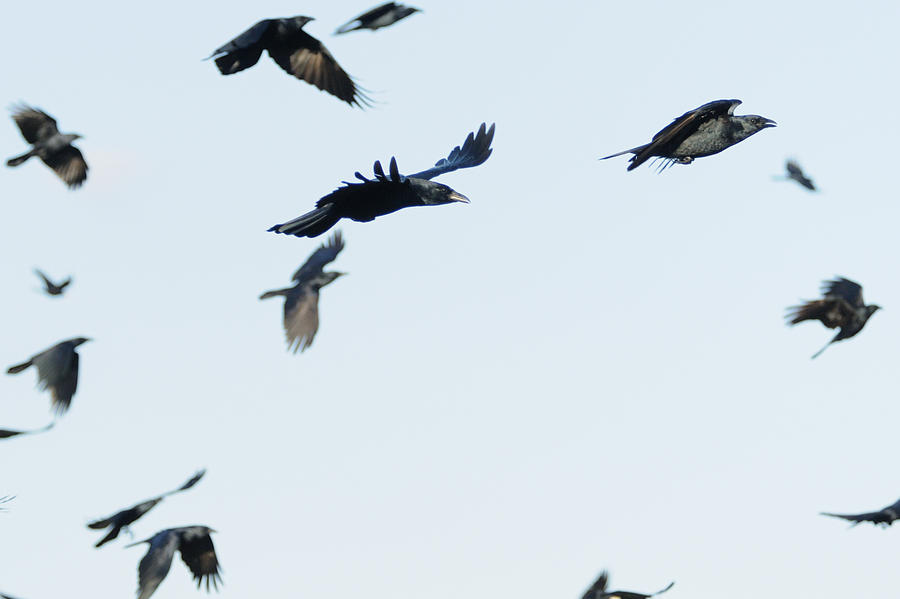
301 317
200 556
156 563
69 165
474 151
310 61
63 391
326 253
844 289
34 124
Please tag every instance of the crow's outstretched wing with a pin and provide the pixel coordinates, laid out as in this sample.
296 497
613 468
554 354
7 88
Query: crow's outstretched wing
884 516
34 124
246 40
362 20
844 289
6 433
326 253
474 151
301 317
200 556
69 165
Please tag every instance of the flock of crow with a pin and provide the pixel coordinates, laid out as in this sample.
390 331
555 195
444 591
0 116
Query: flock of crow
703 131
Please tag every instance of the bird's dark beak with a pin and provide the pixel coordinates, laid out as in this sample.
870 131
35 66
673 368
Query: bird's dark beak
768 122
340 274
458 197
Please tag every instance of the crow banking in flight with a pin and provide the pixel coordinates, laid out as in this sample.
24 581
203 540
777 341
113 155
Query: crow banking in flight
47 143
384 194
883 517
842 307
301 302
122 519
196 549
57 371
51 288
598 590
796 173
700 132
380 16
295 51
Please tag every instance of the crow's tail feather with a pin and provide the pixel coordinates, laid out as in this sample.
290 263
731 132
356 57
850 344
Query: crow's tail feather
18 367
17 160
311 224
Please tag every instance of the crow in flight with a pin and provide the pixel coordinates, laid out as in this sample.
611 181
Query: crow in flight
380 16
883 517
301 302
796 173
384 194
6 433
842 307
598 590
57 371
196 549
51 288
47 143
122 519
700 132
295 51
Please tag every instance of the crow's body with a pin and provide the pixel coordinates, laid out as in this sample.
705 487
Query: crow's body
47 143
57 371
196 549
390 192
704 131
598 590
883 517
380 16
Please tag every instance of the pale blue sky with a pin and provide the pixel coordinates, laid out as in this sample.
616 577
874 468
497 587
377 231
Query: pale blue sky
582 369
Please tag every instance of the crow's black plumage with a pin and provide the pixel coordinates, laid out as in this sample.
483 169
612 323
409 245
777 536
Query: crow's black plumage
196 549
388 193
7 433
47 143
51 288
380 16
704 131
57 371
883 517
301 302
598 590
295 51
795 173
842 306
122 519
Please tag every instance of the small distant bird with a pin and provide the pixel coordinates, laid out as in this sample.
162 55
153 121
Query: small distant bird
796 173
295 51
57 371
6 433
842 307
122 519
598 590
301 302
883 517
384 194
47 143
196 549
700 132
51 288
380 16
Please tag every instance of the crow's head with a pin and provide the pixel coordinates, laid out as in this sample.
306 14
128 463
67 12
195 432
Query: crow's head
751 123
872 309
431 193
299 21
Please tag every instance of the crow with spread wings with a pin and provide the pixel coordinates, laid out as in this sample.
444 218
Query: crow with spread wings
380 16
57 371
388 193
47 143
197 551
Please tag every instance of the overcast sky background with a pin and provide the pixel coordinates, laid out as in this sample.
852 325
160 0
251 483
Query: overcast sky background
582 369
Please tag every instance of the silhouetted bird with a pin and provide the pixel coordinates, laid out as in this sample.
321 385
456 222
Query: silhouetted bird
6 433
384 194
380 16
700 132
598 590
796 173
47 143
301 302
883 517
295 51
57 371
196 549
121 520
842 307
50 287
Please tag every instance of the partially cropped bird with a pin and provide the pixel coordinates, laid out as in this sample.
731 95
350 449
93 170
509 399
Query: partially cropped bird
122 519
384 194
704 131
598 590
47 143
295 51
196 549
7 433
6 499
883 517
380 16
796 173
57 371
51 288
301 302
842 307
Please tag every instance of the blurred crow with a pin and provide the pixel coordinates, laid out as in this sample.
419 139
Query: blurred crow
384 194
295 51
842 307
883 517
598 590
54 148
121 520
6 433
700 132
301 302
57 371
380 16
796 173
50 287
197 551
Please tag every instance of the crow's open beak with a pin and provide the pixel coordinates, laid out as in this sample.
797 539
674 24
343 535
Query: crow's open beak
770 123
458 197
